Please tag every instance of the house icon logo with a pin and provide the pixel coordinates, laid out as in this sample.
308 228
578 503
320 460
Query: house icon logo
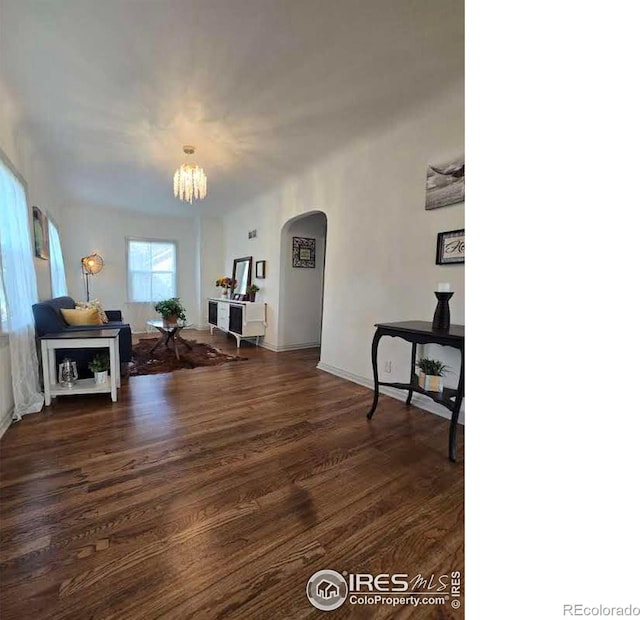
327 590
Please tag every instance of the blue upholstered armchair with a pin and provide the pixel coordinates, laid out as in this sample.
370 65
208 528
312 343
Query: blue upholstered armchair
48 320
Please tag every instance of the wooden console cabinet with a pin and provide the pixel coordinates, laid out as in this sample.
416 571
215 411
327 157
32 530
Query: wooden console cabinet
242 319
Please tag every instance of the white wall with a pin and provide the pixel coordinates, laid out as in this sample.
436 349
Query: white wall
266 246
211 261
381 243
104 231
301 289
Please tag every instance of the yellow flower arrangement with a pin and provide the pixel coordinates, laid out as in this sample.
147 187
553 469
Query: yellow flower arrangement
226 282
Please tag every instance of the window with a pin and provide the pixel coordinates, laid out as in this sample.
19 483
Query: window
151 266
56 263
3 305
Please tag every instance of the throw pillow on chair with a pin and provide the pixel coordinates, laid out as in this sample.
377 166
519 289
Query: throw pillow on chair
88 316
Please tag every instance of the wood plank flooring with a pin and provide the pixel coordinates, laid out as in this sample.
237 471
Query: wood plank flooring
217 492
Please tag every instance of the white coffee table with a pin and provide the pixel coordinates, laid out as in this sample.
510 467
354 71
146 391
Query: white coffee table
84 339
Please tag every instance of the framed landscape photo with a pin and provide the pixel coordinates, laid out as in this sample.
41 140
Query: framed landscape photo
304 252
450 247
445 184
40 234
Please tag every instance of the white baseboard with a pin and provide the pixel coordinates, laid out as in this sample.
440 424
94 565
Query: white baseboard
268 346
419 400
290 347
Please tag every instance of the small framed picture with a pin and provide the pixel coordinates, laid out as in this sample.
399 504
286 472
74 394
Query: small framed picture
261 268
450 247
304 252
40 234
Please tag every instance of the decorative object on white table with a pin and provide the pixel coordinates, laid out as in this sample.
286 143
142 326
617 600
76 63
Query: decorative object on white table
251 292
99 366
431 374
67 373
225 283
101 377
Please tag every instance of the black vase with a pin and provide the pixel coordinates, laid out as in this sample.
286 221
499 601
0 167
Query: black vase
441 317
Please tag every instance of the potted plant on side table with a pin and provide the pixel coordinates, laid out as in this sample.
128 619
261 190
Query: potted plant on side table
431 374
171 311
251 291
99 366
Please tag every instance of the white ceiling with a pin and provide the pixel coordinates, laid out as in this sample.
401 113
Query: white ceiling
112 89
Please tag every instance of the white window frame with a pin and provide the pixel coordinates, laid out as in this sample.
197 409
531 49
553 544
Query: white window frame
148 240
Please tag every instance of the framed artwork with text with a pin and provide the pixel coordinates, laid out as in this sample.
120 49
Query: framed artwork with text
450 247
304 252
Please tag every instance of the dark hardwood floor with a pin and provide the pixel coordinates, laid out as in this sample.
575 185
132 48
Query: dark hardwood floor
217 492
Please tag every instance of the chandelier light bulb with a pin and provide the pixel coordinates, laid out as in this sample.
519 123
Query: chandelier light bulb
189 181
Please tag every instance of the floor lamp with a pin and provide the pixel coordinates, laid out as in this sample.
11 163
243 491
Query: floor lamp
91 265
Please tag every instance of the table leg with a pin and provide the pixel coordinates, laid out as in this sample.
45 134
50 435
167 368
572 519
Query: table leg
374 362
414 346
161 340
46 379
175 344
117 364
453 425
112 361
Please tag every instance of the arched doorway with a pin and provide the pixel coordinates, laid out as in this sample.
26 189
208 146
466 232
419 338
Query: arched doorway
303 248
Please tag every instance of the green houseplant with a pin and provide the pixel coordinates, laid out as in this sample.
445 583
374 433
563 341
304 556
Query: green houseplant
251 291
99 366
431 374
171 310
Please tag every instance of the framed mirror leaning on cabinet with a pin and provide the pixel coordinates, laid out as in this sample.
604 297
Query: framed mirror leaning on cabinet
242 268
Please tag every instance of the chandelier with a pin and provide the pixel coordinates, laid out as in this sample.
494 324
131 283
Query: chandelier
189 181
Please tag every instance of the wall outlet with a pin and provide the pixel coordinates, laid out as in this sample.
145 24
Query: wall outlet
387 366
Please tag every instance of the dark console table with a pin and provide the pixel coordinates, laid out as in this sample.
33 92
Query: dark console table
422 332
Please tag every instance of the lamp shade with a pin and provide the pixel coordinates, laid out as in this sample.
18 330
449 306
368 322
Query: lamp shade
92 264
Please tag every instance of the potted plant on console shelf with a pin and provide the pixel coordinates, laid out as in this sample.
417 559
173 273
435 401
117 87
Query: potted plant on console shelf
251 291
171 311
431 374
99 366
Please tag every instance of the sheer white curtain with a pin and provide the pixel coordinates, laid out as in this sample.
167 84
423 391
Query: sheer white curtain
56 263
20 288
